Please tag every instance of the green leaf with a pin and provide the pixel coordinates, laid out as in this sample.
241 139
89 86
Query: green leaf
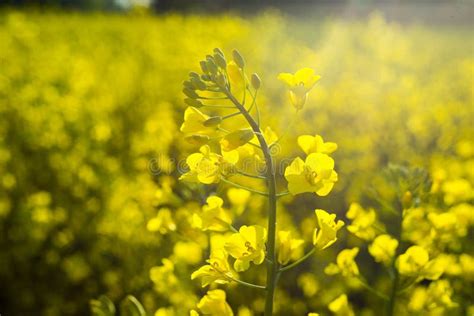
130 306
102 306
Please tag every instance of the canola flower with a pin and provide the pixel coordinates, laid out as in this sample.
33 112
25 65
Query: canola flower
315 174
219 160
213 303
213 217
326 233
299 84
248 245
383 248
345 263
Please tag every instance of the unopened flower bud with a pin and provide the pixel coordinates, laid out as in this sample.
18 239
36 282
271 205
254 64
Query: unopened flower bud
197 139
212 121
236 139
239 60
218 51
203 65
190 93
220 80
220 61
193 102
193 74
407 200
188 84
255 80
211 65
198 84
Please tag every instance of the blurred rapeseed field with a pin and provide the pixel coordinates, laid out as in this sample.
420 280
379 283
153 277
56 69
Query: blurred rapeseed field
91 152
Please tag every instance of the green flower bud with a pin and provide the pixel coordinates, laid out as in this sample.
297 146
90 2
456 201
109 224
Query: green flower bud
211 65
255 80
197 139
220 61
203 65
188 85
212 121
198 84
407 200
193 74
239 60
193 102
220 80
236 139
219 51
190 93
206 78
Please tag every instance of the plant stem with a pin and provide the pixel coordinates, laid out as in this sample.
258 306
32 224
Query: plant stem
243 187
371 289
261 287
272 267
396 275
297 262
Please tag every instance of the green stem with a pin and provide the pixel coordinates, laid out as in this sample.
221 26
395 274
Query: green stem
297 262
286 130
255 176
272 267
243 187
261 287
396 275
371 289
283 193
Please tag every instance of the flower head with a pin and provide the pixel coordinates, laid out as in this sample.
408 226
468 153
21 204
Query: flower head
194 122
214 304
287 246
315 174
315 144
340 306
415 262
345 263
248 245
326 233
363 222
217 271
236 139
299 84
208 167
383 248
213 216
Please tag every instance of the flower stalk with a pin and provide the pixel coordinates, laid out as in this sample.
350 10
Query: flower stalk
272 267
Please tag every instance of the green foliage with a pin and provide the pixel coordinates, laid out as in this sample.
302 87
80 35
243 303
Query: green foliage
102 306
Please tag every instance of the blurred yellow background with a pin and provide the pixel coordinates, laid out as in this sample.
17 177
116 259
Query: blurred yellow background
90 109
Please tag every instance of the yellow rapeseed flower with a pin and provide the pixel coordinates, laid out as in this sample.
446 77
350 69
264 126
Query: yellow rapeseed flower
236 139
214 304
415 262
383 248
286 246
315 174
248 245
299 84
326 233
207 167
345 263
340 306
213 217
315 144
194 122
217 271
363 222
